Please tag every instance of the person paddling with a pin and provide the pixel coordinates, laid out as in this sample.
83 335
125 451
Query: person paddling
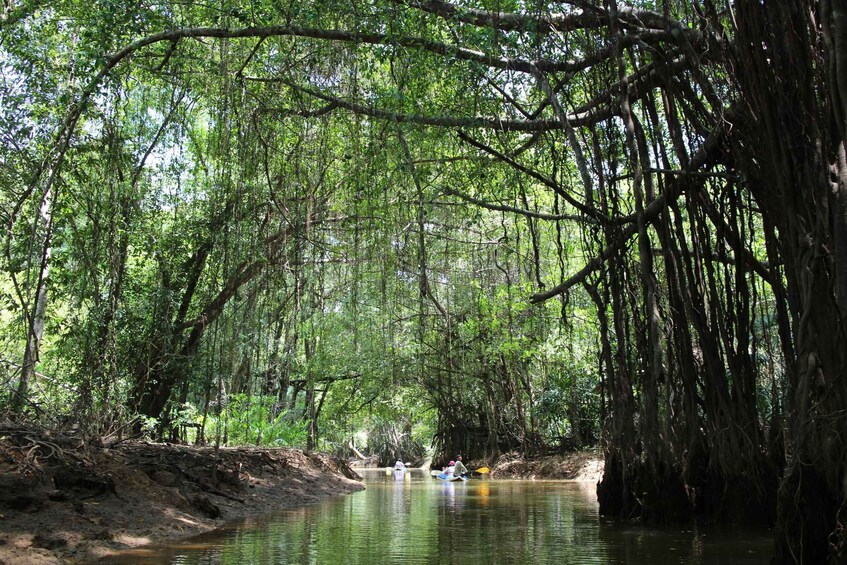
459 468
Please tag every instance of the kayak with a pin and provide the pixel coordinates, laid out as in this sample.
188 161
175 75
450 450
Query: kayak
446 477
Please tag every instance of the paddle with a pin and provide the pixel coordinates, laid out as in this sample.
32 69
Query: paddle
483 470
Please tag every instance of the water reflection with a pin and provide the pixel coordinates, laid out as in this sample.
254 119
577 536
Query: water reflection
415 519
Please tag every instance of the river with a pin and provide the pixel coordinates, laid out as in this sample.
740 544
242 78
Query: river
414 518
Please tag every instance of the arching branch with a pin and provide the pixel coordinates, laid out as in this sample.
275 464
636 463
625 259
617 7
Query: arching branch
343 36
540 125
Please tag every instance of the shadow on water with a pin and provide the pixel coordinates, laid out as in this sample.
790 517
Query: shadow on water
413 518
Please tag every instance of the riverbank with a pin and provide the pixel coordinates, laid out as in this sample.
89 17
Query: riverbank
584 465
62 501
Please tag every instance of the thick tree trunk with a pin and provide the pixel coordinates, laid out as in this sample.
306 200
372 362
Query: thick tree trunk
791 152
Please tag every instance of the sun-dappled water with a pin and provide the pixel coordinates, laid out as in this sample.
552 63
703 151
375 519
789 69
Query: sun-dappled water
414 518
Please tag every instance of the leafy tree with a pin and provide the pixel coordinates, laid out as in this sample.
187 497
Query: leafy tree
331 203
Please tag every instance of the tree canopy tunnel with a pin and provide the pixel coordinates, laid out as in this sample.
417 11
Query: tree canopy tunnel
306 210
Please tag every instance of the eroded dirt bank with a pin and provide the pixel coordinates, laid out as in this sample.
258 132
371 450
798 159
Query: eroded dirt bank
586 465
62 501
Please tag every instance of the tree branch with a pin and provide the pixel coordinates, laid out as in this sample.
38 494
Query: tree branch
512 209
674 188
436 121
590 212
343 36
544 23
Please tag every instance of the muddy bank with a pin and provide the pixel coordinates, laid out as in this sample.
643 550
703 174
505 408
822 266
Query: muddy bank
586 465
63 501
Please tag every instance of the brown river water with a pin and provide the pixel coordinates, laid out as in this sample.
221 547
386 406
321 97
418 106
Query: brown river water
413 518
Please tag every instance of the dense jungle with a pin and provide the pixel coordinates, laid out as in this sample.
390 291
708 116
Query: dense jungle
397 227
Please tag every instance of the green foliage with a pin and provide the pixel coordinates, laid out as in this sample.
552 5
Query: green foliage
227 233
251 420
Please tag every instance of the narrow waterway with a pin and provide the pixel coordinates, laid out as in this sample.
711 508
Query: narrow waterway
414 518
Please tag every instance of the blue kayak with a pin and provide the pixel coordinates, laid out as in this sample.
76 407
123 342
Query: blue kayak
449 477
